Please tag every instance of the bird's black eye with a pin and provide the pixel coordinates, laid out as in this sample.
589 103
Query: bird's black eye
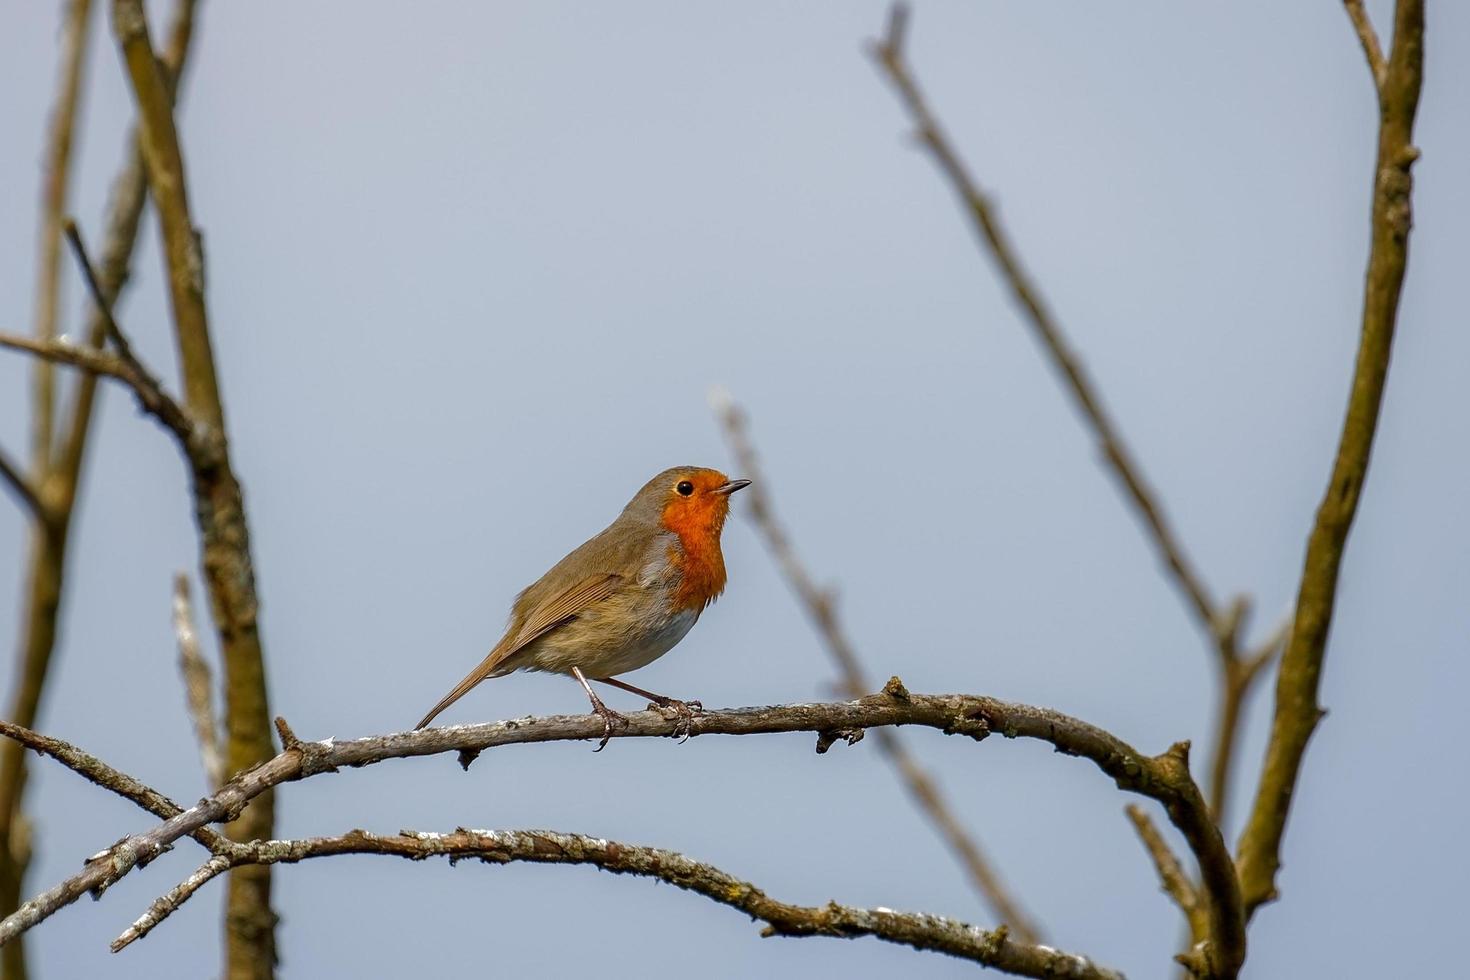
685 488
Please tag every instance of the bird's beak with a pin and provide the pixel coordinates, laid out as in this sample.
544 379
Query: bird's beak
725 489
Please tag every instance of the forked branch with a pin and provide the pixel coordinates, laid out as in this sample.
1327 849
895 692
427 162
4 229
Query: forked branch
923 932
1164 778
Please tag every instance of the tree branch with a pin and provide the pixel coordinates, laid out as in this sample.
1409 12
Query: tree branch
46 563
152 399
1297 711
197 684
889 55
94 770
56 179
1369 39
20 484
1238 676
1172 876
924 932
1164 778
818 605
227 565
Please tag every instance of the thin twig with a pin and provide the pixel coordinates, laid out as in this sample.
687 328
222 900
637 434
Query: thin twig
198 684
149 392
818 605
1237 683
28 495
1369 39
169 903
1164 777
102 303
94 770
56 179
1172 875
889 55
1298 679
924 932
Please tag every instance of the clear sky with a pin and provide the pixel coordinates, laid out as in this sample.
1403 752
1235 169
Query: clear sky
473 269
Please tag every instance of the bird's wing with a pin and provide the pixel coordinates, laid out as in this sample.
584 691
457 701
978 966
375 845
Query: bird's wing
540 620
549 615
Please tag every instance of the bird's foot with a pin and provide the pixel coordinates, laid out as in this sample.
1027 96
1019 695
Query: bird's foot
608 716
684 713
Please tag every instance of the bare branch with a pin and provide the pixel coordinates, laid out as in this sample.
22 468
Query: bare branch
1164 778
197 684
169 903
924 932
20 484
224 534
94 770
818 606
1369 39
889 55
1238 677
46 563
1172 876
1297 711
99 295
151 396
56 179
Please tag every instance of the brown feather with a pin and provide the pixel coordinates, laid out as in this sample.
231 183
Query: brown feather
540 621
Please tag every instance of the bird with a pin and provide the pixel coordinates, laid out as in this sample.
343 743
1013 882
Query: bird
623 598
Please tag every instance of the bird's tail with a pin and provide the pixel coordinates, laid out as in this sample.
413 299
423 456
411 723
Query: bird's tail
485 669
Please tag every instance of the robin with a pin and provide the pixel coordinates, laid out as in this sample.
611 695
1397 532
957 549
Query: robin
624 598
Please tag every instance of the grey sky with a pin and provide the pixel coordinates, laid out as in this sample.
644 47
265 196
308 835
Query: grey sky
472 270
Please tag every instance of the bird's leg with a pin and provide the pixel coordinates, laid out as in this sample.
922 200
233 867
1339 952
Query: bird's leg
683 710
598 708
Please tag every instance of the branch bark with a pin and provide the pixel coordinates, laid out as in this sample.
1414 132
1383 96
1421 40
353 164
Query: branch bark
1368 38
1297 711
198 684
818 605
56 180
228 569
1164 778
923 932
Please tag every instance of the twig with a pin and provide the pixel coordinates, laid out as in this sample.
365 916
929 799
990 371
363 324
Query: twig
818 606
1172 876
197 684
102 303
29 497
56 178
224 535
150 394
924 932
94 770
1369 39
1297 711
1237 683
1164 778
169 903
889 55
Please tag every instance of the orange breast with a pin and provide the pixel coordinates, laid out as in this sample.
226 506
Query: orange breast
698 558
701 573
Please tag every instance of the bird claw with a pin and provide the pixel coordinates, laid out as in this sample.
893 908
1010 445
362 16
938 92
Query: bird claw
684 714
608 716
